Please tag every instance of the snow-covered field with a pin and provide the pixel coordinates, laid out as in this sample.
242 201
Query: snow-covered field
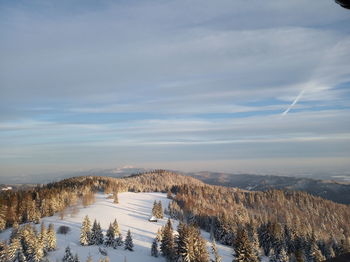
132 212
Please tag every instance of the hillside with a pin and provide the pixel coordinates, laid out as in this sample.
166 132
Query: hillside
331 190
132 212
274 222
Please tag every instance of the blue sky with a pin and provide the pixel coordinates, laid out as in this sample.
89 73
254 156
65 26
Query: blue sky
234 86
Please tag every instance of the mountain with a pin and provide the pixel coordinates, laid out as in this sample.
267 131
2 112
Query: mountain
251 224
333 190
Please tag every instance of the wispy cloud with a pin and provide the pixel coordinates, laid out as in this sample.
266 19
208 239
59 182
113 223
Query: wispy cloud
159 81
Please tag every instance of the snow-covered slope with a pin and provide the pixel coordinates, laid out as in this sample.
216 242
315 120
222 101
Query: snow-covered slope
132 212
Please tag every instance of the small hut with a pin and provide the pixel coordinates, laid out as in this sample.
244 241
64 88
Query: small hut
153 219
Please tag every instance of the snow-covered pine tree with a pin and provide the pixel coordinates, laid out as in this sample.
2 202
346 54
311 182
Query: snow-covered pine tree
243 248
13 249
315 254
93 236
20 255
167 246
51 238
118 241
283 256
154 248
68 256
154 209
76 258
128 244
116 227
43 237
85 233
2 217
38 250
99 235
160 213
4 250
110 237
191 246
273 256
214 250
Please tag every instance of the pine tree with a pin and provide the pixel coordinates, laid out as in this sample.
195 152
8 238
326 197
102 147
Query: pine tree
215 252
38 250
167 245
154 209
160 212
76 258
13 249
283 256
243 248
68 256
273 256
4 250
115 226
154 249
99 235
51 238
94 234
20 255
85 235
44 237
129 245
118 241
316 254
110 237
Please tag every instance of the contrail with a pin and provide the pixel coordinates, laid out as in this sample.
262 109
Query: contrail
317 71
294 102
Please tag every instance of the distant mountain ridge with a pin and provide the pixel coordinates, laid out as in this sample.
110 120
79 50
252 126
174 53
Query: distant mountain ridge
331 190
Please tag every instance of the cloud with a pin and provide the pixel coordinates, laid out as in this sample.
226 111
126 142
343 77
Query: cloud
94 82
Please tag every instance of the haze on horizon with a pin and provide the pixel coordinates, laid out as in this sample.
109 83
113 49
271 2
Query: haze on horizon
233 86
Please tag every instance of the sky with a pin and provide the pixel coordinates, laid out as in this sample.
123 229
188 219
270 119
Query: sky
227 85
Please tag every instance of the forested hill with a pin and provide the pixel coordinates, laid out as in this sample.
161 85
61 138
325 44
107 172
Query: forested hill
332 190
277 220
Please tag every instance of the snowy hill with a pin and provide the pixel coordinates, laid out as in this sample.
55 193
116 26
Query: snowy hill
132 212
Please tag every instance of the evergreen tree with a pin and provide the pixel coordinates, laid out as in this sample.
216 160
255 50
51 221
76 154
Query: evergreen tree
76 258
129 245
110 237
154 249
315 253
118 241
116 229
215 252
20 255
283 256
243 248
273 256
13 249
93 235
68 256
160 212
85 234
44 237
4 250
154 209
167 246
51 238
99 235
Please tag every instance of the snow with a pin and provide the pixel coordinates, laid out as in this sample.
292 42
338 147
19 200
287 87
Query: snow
132 212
